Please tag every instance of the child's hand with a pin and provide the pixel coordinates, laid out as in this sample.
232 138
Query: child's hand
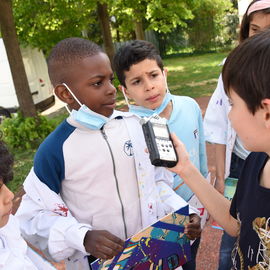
193 228
183 163
102 244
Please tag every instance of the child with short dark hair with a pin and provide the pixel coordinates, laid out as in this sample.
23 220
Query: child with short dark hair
92 185
229 151
14 252
142 76
246 82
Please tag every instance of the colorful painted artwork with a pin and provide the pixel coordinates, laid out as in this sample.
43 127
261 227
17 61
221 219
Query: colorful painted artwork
162 246
230 187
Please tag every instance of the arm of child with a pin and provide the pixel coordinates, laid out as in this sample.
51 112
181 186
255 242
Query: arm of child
217 205
47 223
220 151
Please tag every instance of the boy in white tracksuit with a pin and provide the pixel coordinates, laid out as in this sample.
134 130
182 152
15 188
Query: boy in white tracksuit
92 184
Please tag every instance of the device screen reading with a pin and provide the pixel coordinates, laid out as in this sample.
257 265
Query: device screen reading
161 131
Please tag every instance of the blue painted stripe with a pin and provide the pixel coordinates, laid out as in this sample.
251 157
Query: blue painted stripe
168 226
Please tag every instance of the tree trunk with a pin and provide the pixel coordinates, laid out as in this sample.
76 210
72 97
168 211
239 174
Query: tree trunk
10 39
139 30
103 16
138 25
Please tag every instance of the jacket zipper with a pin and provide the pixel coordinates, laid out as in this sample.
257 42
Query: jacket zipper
116 180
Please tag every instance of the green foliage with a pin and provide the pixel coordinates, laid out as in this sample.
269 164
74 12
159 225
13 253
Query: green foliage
206 30
165 15
162 16
26 132
228 33
52 21
24 157
173 41
205 23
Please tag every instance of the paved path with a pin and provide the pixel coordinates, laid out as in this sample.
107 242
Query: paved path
207 257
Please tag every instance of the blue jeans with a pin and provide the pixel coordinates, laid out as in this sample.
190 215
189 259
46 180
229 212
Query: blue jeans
226 247
227 241
191 265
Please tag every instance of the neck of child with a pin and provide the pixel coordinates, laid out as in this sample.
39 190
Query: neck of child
166 113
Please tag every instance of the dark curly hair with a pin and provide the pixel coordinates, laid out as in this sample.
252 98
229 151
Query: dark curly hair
6 163
132 53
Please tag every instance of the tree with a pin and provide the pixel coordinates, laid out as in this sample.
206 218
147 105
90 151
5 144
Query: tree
159 15
165 15
56 20
8 32
53 20
103 15
138 23
206 27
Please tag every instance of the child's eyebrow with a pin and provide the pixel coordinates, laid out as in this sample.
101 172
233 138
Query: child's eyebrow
138 76
98 76
254 25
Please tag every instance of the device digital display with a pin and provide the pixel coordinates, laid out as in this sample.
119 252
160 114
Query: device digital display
161 131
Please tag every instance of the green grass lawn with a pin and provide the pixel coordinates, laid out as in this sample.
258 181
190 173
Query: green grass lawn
192 76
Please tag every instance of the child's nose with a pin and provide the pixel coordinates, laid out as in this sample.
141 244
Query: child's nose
148 85
111 89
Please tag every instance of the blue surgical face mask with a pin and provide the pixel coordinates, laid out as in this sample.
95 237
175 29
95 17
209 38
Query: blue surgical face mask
145 112
87 117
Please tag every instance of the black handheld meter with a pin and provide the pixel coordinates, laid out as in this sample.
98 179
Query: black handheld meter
158 140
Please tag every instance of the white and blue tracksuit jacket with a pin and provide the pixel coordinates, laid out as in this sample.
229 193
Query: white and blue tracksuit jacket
81 181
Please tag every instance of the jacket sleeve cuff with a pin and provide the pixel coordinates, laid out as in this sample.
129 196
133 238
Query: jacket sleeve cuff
75 236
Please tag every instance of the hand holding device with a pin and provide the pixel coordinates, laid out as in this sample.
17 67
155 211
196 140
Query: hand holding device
158 140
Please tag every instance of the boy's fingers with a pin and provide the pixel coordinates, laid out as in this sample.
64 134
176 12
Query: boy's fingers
109 247
103 244
115 239
106 252
114 243
194 219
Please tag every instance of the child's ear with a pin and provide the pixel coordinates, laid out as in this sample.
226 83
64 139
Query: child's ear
165 70
266 107
123 89
63 94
